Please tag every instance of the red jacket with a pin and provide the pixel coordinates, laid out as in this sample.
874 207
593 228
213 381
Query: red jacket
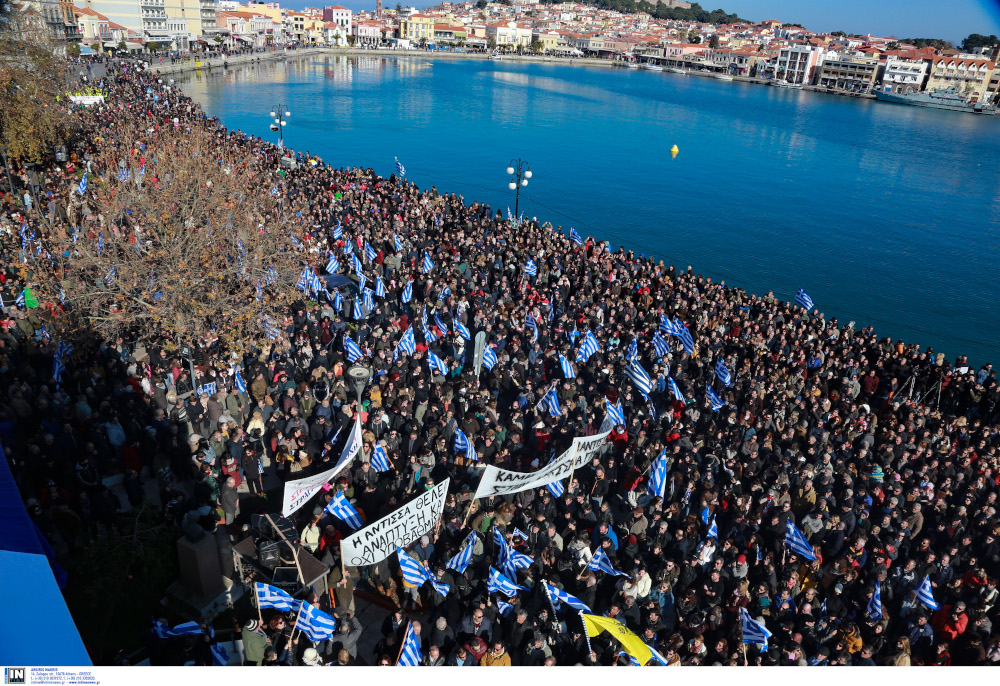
946 626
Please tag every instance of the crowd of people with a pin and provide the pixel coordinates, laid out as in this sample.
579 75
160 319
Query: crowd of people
882 453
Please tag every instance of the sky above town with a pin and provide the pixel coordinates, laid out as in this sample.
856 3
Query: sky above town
953 20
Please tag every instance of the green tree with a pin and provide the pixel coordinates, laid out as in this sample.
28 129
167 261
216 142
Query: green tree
536 45
842 34
73 49
481 5
152 46
936 43
713 42
122 46
976 40
892 45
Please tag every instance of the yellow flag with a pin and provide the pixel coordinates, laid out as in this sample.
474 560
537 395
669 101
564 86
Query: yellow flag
631 644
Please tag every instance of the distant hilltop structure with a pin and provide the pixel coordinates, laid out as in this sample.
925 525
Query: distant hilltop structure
672 4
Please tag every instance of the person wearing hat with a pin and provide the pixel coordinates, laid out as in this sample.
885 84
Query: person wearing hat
311 658
255 641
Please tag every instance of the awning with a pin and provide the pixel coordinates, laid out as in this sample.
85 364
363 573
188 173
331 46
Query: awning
87 50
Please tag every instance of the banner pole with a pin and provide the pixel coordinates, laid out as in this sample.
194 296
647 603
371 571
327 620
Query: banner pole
572 469
590 649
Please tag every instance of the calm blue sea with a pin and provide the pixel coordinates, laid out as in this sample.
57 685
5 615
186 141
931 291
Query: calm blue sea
884 214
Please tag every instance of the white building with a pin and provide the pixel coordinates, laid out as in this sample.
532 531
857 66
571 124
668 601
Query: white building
903 76
509 34
798 63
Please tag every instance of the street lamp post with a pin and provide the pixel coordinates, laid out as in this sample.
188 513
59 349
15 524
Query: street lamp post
520 172
279 114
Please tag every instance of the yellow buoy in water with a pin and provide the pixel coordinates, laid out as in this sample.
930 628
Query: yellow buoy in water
673 151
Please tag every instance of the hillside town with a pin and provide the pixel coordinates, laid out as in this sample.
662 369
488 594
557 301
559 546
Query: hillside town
767 49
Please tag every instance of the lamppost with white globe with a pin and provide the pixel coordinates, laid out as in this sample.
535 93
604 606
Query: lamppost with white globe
520 172
279 114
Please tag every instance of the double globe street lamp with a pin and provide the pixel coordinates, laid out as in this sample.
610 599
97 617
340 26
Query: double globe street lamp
520 172
280 113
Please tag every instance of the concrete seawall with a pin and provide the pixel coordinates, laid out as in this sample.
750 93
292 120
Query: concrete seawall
192 64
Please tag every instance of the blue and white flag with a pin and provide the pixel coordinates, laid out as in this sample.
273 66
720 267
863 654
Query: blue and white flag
185 629
82 188
359 313
550 401
210 388
358 268
410 655
461 561
632 351
574 237
368 297
379 287
352 349
802 299
269 597
341 508
436 364
440 323
498 583
684 335
874 608
713 530
124 175
556 489
428 264
660 345
753 631
400 169
658 475
716 402
315 624
638 375
614 412
520 534
505 608
722 374
241 385
600 562
796 542
567 368
675 389
338 301
407 343
407 293
530 268
561 596
667 326
445 293
397 242
305 279
380 460
220 658
338 231
429 335
370 252
489 358
415 574
332 265
461 330
925 594
464 445
588 347
529 323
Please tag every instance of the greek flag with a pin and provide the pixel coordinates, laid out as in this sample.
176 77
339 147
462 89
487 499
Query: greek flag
379 287
352 349
560 596
615 412
675 389
208 389
529 323
416 574
658 475
380 461
464 445
504 608
574 237
498 583
753 631
82 188
397 242
370 252
667 326
332 265
349 248
588 347
713 530
341 508
445 293
660 345
369 299
315 624
407 343
520 534
638 375
124 175
684 335
796 542
428 264
220 658
408 293
273 598
567 368
429 335
716 402
925 594
358 312
489 358
241 385
551 401
305 278
632 351
530 268
602 563
400 169
461 561
358 267
338 301
440 324
436 363
824 614
461 330
338 231
556 489
57 369
185 629
802 298
874 608
722 373
410 655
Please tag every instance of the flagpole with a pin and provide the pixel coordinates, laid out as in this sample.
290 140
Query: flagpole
256 599
549 596
297 617
572 469
402 644
590 649
472 502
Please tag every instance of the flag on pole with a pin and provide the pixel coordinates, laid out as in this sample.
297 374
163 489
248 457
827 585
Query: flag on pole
550 401
489 358
530 268
925 594
341 508
428 264
588 347
682 333
273 598
241 385
574 237
753 631
874 608
332 265
632 351
797 542
407 342
568 598
461 330
415 574
615 412
464 445
716 402
461 561
351 348
638 375
397 243
437 364
407 293
660 345
556 489
220 658
713 530
370 252
380 460
498 583
410 655
379 287
803 300
567 368
658 475
400 169
440 324
675 389
338 231
82 188
602 563
314 623
722 373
